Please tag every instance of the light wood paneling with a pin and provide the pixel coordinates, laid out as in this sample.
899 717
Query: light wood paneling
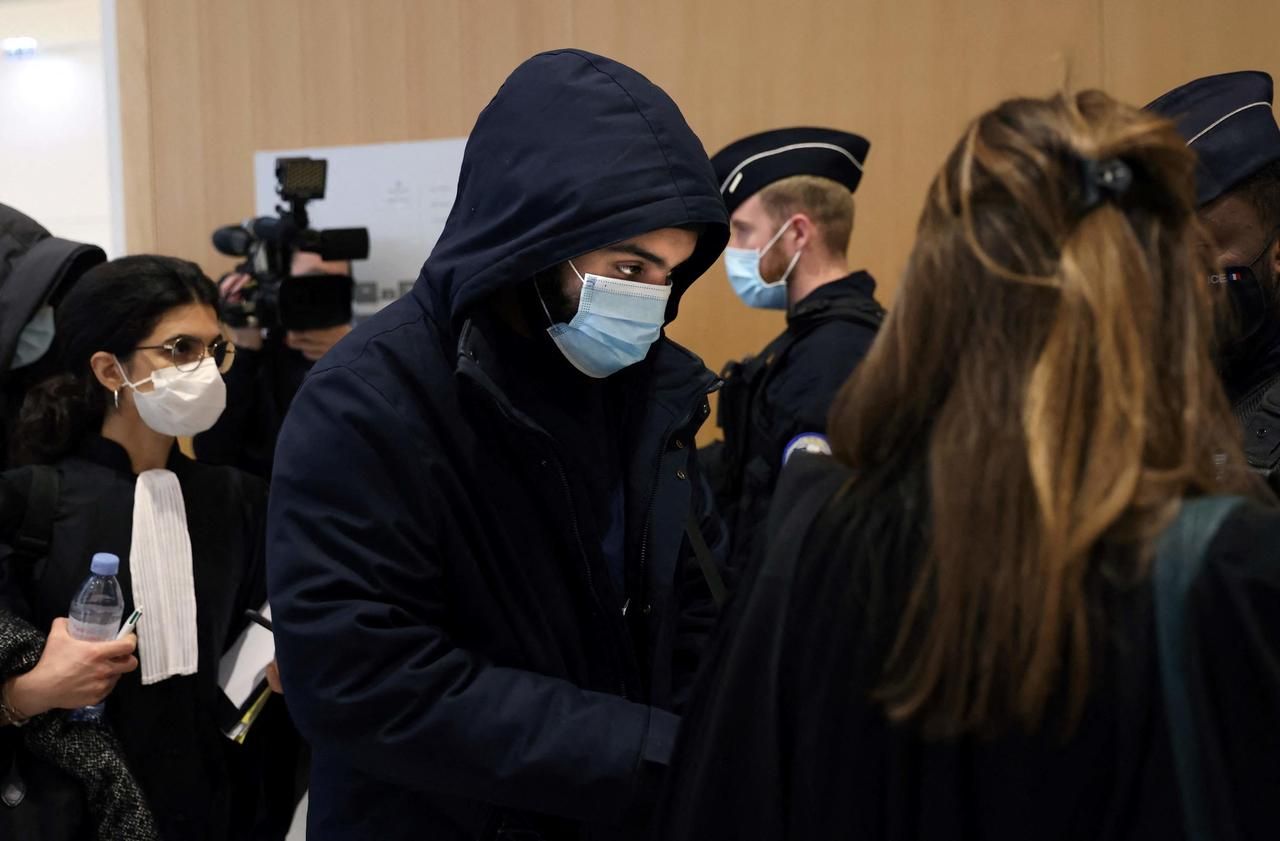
908 75
229 77
1155 45
135 125
207 82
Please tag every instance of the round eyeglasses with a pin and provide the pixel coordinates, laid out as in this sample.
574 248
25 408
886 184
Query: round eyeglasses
188 352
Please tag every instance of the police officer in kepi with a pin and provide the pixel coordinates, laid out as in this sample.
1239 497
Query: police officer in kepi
790 196
1228 120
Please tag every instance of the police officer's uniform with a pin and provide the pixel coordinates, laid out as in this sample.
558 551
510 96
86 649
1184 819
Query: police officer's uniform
1228 121
783 394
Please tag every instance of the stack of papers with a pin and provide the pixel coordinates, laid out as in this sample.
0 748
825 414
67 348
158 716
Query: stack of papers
242 675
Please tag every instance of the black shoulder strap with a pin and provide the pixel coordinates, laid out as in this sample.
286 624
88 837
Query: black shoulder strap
36 532
1179 559
715 582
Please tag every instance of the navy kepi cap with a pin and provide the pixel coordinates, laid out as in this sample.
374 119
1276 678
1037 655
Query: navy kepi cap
1228 122
747 166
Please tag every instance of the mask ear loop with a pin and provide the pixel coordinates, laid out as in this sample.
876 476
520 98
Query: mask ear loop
132 385
543 302
777 236
791 265
545 311
116 394
782 280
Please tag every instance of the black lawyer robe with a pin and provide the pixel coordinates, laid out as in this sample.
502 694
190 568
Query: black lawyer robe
783 741
199 784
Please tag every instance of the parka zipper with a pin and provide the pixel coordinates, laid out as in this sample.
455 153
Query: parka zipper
657 477
607 615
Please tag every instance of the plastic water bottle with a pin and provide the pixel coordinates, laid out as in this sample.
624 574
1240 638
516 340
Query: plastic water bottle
95 614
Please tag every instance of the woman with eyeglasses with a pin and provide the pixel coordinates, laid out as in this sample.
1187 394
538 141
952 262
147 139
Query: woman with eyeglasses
143 355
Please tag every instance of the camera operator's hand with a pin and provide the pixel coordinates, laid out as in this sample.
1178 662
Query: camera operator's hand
71 673
230 289
314 344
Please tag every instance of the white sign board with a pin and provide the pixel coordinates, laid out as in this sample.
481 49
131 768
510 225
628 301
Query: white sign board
401 192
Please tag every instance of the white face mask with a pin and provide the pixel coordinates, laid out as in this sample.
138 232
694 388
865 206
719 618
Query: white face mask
181 403
35 339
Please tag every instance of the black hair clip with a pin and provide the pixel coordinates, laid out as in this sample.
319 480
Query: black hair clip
1103 180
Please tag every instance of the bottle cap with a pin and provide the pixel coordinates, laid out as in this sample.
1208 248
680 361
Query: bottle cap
104 563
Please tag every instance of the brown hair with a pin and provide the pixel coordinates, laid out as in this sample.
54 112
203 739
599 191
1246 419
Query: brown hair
826 202
1054 358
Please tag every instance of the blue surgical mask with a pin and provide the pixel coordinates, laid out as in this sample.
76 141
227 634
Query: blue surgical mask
743 268
616 324
35 339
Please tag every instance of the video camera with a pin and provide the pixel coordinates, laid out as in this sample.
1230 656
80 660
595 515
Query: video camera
274 297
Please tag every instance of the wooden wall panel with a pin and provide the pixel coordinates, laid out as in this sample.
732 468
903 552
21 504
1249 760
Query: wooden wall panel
135 125
908 75
182 171
208 82
1155 45
226 75
229 77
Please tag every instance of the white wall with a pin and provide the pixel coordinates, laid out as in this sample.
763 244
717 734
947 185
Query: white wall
53 119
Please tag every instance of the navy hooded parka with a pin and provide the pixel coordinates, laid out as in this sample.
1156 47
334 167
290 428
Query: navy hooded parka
451 645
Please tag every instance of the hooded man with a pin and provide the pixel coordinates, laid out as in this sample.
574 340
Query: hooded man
487 604
36 270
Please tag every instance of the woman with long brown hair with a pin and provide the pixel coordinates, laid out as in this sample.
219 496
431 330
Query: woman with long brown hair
954 634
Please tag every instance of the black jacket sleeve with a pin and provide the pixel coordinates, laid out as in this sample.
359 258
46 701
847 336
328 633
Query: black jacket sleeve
360 545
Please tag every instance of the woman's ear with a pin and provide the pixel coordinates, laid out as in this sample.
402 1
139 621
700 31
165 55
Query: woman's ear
107 371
